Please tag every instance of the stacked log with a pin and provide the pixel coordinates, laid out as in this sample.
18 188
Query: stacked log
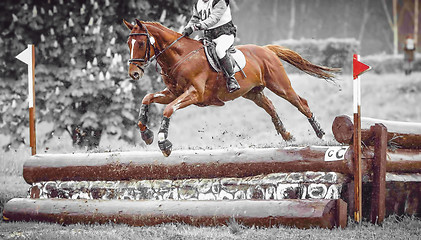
392 149
405 135
296 213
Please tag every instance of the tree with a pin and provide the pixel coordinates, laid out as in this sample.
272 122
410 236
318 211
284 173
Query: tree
82 85
393 23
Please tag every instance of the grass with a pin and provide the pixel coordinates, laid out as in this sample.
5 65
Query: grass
239 124
393 228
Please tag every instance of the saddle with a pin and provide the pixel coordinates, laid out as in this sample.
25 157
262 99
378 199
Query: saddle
237 57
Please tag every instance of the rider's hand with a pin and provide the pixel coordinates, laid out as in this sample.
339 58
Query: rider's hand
188 31
198 26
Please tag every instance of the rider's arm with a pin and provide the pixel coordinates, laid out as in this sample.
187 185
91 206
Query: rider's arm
194 19
217 12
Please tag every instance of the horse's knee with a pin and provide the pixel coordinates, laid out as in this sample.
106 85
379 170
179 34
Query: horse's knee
147 99
168 111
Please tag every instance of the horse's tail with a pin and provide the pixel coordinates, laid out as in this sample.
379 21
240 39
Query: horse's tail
304 65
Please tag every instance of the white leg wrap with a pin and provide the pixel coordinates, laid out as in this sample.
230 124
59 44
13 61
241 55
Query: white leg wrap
161 136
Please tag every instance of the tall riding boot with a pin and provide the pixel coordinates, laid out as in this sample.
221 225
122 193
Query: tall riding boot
226 64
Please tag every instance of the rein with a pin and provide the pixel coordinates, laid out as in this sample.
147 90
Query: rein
150 41
148 59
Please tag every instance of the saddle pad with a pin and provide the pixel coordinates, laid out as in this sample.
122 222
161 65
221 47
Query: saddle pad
238 58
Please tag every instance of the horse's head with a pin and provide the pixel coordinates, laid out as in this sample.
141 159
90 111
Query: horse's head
141 46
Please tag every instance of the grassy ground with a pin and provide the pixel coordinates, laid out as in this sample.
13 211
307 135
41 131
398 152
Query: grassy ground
393 228
239 124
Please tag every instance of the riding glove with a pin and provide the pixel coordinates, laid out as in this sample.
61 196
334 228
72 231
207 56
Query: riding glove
188 31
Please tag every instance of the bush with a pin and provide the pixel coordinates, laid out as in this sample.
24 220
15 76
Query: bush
331 52
82 85
383 63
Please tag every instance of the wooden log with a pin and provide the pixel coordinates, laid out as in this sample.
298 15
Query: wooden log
297 213
400 134
378 195
121 166
181 164
397 161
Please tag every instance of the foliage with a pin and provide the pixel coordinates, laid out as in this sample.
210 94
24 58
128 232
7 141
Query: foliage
384 63
81 81
329 52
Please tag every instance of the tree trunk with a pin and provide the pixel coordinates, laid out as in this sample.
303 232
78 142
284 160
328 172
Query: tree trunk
395 27
393 23
292 20
416 16
366 16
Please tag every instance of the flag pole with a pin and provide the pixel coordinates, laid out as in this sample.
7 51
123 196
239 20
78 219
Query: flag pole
32 131
358 69
28 57
357 147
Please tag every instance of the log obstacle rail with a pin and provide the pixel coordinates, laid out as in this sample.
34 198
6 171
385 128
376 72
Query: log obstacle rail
204 164
259 187
181 164
304 214
404 135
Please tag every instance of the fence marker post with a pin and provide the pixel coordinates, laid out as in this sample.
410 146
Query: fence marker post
358 69
28 57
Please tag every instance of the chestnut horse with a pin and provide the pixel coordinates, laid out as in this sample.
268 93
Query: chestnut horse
189 79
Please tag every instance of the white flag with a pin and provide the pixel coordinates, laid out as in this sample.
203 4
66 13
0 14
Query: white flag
26 57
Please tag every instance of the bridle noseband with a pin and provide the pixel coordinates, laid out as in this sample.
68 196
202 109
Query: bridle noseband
148 58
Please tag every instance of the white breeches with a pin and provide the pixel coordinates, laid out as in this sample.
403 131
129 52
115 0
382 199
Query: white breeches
223 42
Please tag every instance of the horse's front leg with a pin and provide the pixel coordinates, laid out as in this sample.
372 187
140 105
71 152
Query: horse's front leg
163 97
187 98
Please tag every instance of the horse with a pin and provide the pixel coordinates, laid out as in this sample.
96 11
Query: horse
190 80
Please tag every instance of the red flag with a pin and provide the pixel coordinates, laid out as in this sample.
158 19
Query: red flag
359 67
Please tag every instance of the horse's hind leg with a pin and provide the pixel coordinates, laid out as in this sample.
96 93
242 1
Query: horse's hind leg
281 86
257 96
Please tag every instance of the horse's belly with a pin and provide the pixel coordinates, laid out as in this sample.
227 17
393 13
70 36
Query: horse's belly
214 102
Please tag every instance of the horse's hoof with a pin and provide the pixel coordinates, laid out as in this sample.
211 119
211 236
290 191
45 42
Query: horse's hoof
320 134
147 136
316 126
166 147
287 136
167 152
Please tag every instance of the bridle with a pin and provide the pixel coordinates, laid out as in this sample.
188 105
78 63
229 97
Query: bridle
147 58
150 41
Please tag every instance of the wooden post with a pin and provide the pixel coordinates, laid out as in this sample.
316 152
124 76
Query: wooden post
358 69
32 131
357 147
357 166
378 198
28 57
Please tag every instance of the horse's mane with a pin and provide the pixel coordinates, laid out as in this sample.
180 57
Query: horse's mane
170 31
160 26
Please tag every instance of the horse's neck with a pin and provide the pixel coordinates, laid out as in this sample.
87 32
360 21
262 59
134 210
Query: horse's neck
165 37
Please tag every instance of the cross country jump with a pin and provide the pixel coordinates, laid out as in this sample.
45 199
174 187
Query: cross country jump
190 79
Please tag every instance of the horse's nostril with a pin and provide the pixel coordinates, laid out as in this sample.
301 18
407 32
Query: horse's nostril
136 75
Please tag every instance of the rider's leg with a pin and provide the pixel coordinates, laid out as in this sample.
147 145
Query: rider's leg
222 44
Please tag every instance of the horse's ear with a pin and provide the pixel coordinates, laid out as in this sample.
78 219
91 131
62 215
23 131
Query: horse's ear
139 23
128 25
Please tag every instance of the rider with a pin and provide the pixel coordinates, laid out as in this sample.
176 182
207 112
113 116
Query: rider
214 17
